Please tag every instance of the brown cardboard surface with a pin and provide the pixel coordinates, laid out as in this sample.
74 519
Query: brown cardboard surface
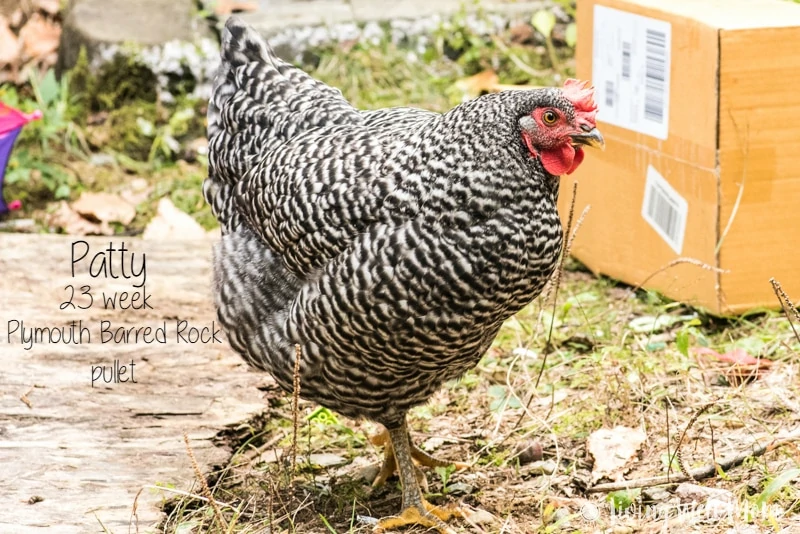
692 130
614 239
733 153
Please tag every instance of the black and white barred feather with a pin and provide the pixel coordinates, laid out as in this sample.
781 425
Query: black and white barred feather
390 244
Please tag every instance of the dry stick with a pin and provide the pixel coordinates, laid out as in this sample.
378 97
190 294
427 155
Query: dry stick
677 454
134 519
669 454
783 298
206 491
295 404
557 282
707 471
678 261
713 450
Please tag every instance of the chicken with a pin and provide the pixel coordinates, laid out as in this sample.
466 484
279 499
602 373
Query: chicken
389 244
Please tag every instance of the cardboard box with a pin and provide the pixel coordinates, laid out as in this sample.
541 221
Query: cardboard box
700 108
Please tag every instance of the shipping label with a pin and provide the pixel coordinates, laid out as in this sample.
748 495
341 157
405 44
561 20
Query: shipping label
631 70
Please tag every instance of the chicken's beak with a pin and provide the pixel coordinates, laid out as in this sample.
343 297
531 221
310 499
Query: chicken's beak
589 137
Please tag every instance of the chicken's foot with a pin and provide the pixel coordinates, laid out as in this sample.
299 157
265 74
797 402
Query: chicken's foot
416 510
419 456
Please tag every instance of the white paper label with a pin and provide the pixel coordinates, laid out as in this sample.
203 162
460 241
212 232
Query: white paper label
665 209
630 70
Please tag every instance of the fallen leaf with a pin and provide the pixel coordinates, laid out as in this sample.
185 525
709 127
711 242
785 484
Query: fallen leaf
51 7
741 367
39 36
487 81
477 84
9 46
104 207
612 449
226 7
736 357
72 223
172 223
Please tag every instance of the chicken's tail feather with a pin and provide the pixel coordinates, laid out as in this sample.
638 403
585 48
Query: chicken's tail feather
258 103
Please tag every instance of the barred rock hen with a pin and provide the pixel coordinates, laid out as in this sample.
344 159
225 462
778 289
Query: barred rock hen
389 244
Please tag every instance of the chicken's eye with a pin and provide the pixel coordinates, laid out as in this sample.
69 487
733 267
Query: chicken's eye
549 117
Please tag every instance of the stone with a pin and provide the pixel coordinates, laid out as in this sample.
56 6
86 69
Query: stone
294 26
166 36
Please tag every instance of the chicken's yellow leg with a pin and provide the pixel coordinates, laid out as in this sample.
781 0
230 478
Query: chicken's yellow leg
421 457
416 510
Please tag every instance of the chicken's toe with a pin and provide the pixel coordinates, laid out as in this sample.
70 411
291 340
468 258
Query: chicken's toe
428 516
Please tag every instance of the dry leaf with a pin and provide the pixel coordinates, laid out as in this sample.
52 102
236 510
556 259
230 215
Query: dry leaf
51 7
9 46
734 357
39 37
226 7
72 223
741 367
612 449
487 82
104 207
477 84
172 223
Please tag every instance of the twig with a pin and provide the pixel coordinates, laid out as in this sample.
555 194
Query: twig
678 261
204 484
295 404
669 438
677 453
707 471
786 305
556 284
135 512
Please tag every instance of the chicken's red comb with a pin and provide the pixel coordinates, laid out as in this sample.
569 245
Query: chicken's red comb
581 94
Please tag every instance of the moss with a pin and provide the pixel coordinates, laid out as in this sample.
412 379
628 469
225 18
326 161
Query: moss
125 130
121 81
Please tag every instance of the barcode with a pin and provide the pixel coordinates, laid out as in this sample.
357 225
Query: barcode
663 212
655 75
610 93
665 209
626 60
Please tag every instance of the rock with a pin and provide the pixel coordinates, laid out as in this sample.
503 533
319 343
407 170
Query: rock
104 208
528 451
547 467
172 223
481 517
164 35
694 493
460 488
325 459
293 27
367 473
656 495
